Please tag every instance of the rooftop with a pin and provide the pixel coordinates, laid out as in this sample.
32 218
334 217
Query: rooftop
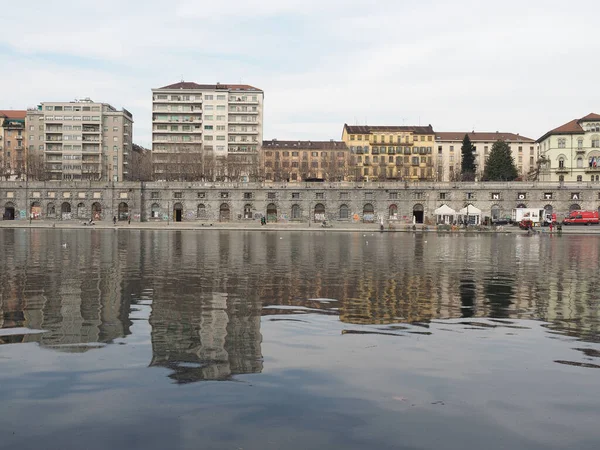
572 127
478 136
305 145
13 114
365 129
190 85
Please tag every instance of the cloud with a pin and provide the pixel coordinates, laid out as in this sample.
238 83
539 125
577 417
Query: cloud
520 67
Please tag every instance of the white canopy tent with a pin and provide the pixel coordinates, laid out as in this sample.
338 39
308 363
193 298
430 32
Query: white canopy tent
470 215
445 215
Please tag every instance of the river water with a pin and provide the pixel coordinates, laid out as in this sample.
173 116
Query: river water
292 340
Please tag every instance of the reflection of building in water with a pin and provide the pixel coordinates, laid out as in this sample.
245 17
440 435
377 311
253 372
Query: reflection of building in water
205 336
49 282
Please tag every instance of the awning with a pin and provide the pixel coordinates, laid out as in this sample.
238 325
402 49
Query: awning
444 210
472 211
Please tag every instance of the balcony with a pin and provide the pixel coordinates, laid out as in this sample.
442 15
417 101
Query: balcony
19 138
592 169
580 150
240 101
562 170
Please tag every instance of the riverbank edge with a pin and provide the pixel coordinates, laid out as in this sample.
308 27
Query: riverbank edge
357 228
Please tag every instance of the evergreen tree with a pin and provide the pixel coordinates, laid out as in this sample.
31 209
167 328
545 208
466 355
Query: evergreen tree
500 165
467 166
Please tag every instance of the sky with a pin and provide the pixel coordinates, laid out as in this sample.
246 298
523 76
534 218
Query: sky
513 66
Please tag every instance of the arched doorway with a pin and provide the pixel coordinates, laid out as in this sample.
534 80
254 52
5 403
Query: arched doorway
177 212
418 213
574 207
344 212
368 213
271 212
548 210
496 213
319 212
9 211
155 211
247 211
224 213
393 212
96 211
81 211
123 213
521 205
51 211
296 213
65 211
36 210
201 213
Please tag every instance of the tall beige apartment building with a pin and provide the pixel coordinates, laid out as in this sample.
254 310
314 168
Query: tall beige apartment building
79 140
206 131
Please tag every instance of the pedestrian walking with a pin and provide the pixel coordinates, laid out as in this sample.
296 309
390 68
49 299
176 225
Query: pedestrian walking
114 220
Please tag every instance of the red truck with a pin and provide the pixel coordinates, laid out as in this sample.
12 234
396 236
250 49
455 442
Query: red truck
582 218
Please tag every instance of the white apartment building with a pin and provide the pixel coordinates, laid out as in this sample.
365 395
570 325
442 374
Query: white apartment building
81 140
206 131
572 151
448 152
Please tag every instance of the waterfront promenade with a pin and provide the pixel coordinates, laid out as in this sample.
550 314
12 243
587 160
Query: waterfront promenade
287 226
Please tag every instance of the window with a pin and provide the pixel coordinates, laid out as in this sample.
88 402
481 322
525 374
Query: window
470 195
208 127
442 196
221 97
201 194
208 97
271 195
520 149
579 178
439 150
562 142
295 195
154 195
580 162
224 194
393 195
177 194
595 142
320 195
561 163
452 148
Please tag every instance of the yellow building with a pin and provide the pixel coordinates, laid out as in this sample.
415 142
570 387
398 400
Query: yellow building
378 153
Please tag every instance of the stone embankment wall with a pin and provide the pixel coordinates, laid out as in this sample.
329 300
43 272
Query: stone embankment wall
213 202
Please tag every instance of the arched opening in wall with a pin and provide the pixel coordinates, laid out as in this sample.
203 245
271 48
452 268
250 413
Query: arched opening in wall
574 207
155 211
123 211
51 210
521 205
9 211
579 178
579 162
271 212
548 210
368 213
296 212
177 212
36 210
224 213
201 212
247 211
561 178
418 213
65 211
393 212
496 213
96 211
319 212
81 211
344 212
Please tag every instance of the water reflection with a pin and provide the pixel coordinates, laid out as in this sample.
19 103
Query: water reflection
209 289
